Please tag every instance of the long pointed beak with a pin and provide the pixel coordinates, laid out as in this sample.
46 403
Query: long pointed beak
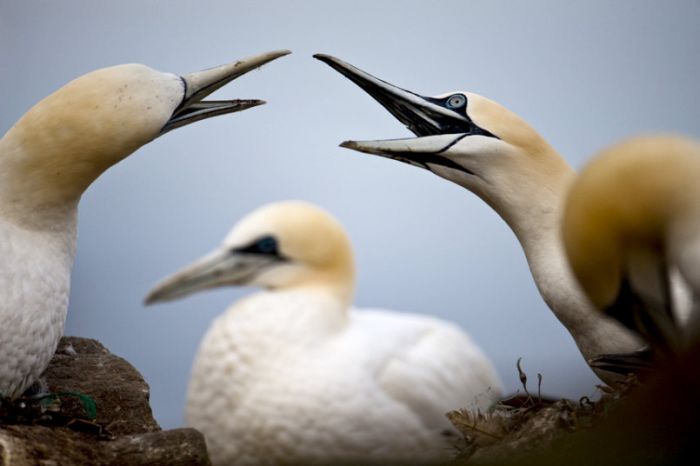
222 267
415 151
200 84
424 116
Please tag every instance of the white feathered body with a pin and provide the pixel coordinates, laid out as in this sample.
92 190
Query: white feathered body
290 377
35 269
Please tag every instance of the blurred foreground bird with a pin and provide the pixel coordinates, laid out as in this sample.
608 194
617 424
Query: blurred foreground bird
293 375
49 158
487 149
631 217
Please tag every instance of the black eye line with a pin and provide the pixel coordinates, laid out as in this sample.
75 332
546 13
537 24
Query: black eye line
443 101
474 129
255 247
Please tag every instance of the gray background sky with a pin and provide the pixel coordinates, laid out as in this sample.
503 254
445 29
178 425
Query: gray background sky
584 74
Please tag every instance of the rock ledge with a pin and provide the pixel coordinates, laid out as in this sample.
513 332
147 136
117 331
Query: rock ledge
64 429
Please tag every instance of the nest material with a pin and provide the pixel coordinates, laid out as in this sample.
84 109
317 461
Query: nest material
523 424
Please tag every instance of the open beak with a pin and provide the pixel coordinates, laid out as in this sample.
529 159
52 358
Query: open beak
200 84
424 116
437 126
222 267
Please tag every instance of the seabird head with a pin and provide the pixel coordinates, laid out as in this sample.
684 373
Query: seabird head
280 245
69 138
630 217
462 137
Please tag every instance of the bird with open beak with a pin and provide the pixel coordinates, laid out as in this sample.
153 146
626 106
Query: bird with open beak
489 150
49 158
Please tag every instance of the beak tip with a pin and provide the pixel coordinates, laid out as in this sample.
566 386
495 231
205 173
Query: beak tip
349 145
280 53
154 296
327 59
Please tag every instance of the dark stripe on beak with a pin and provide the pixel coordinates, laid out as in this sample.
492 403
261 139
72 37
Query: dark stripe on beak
202 83
424 116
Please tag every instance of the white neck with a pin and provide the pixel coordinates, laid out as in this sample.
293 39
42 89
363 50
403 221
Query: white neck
294 316
593 333
535 220
34 284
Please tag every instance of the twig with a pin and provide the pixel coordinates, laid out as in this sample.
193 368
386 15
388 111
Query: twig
483 432
523 376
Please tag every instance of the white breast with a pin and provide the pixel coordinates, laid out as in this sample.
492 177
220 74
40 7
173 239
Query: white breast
34 286
307 385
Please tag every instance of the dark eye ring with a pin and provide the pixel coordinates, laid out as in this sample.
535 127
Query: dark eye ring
267 245
456 101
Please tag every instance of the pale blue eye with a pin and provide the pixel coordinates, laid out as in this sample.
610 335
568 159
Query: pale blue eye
456 101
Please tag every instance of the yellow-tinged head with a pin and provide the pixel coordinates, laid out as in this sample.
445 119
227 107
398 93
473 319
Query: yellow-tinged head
53 153
627 198
63 143
622 215
469 140
280 245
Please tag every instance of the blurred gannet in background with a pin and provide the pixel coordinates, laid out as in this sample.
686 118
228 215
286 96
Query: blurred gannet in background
49 158
487 149
292 375
632 216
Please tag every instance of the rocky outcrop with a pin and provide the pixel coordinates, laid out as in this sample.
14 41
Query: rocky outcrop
650 421
96 413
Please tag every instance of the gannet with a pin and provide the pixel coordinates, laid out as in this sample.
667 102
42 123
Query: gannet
293 375
48 159
632 216
489 150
